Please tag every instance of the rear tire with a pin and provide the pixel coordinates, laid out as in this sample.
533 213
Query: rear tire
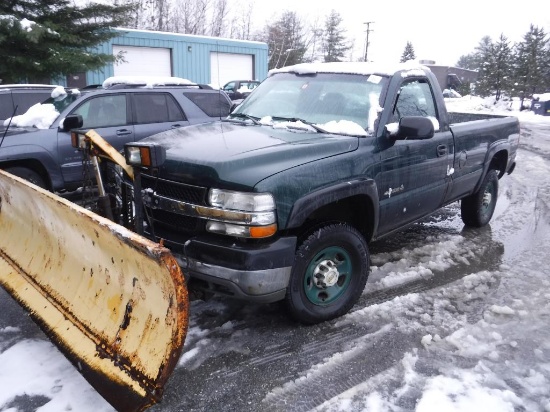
478 208
28 174
329 274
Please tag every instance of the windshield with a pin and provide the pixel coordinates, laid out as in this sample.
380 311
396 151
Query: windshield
320 99
62 102
43 115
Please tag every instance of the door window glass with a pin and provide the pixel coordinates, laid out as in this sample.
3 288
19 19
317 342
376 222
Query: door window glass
156 108
213 104
103 111
415 99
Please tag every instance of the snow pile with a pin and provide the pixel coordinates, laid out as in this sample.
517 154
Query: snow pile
40 116
545 97
36 368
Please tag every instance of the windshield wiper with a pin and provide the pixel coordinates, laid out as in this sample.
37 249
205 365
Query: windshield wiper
297 119
254 120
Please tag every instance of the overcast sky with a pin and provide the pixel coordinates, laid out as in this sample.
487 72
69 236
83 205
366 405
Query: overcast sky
438 30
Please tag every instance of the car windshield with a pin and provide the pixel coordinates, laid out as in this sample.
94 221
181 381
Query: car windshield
323 99
63 101
43 115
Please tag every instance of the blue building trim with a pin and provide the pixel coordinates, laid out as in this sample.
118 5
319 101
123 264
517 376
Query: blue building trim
190 53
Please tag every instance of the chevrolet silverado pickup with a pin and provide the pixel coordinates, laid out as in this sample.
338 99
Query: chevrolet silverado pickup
279 201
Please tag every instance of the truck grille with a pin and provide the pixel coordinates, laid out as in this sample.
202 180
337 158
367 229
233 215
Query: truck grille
174 224
173 190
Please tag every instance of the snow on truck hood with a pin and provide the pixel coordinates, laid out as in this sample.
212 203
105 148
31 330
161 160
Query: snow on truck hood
243 154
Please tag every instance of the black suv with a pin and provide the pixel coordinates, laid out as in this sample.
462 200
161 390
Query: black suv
119 112
22 97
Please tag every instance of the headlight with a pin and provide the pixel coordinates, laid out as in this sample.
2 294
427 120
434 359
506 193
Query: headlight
250 202
144 154
241 214
255 232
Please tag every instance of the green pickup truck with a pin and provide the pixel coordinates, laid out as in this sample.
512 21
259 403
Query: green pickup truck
280 200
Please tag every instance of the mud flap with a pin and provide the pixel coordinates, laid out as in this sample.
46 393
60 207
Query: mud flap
113 302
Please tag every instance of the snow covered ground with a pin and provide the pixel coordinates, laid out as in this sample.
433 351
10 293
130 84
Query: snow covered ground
451 320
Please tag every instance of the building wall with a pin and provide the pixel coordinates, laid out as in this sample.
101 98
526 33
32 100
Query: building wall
442 73
190 54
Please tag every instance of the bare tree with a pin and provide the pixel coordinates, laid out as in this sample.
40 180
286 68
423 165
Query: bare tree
240 26
219 17
314 42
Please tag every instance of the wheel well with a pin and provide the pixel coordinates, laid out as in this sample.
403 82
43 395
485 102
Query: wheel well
357 211
33 165
499 161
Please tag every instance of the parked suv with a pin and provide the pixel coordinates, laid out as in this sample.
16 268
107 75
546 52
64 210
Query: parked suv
37 146
22 97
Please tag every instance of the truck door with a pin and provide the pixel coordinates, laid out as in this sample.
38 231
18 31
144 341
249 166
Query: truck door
108 115
413 173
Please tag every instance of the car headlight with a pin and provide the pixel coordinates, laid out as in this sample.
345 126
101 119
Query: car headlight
144 154
250 202
242 214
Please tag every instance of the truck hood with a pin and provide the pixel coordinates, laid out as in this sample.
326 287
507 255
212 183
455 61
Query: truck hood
238 156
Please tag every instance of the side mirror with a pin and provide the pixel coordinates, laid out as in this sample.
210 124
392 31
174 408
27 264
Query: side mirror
414 128
74 121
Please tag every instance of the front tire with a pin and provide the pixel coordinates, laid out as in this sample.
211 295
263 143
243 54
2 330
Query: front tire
330 271
27 174
478 208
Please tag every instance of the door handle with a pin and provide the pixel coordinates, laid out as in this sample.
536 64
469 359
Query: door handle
123 132
175 126
441 150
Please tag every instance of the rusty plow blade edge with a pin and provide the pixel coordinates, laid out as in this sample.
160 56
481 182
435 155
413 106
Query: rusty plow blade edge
114 302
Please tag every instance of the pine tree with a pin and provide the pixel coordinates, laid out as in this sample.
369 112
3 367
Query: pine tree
468 61
408 53
334 41
47 39
486 64
531 63
494 60
501 76
285 40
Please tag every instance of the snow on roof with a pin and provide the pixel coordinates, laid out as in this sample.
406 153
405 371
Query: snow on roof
408 68
148 81
544 97
30 85
189 36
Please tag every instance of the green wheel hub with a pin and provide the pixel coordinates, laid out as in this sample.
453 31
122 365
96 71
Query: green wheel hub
328 275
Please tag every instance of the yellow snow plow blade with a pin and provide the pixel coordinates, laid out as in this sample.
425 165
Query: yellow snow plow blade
113 302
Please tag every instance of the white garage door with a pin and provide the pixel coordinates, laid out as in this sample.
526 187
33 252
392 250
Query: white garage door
225 67
143 61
